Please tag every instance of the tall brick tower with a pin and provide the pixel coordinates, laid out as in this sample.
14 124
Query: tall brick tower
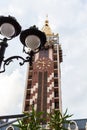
43 89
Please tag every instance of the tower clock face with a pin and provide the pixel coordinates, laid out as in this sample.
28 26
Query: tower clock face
43 63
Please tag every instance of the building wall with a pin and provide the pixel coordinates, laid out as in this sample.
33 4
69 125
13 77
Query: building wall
77 124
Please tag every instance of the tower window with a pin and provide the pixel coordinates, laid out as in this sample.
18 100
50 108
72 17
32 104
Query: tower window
27 106
31 67
55 65
28 94
56 93
55 83
55 74
55 57
30 75
55 49
29 84
56 104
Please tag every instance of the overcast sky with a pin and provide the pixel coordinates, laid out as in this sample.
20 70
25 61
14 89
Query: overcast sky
69 19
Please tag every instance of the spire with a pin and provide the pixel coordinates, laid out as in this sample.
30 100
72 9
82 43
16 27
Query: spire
46 28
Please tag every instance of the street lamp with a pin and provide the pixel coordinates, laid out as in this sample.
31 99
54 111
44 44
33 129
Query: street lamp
31 38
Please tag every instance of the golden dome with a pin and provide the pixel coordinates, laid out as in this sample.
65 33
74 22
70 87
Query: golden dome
46 28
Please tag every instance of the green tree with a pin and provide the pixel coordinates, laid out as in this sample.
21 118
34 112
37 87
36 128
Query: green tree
57 120
32 121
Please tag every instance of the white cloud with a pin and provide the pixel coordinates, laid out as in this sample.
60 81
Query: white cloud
11 93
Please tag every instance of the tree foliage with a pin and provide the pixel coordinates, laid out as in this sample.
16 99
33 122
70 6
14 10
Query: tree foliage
33 120
57 120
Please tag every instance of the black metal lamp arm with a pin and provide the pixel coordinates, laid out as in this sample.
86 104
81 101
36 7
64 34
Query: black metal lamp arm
10 59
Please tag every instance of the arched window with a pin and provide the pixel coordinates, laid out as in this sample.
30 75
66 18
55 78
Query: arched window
72 126
10 128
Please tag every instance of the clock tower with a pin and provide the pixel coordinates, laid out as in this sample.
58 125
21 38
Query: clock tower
43 88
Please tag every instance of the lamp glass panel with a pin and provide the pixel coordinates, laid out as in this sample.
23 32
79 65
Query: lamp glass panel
7 30
32 42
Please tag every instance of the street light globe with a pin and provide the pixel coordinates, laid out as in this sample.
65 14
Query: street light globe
33 38
32 42
7 30
9 27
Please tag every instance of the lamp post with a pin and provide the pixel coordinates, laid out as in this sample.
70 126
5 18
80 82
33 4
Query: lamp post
31 38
